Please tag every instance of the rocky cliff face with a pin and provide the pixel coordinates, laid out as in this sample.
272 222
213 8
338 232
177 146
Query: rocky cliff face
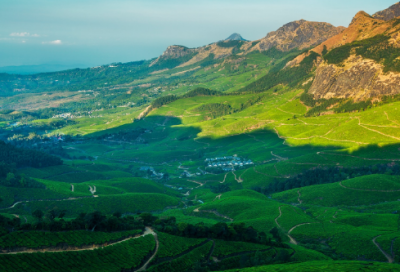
298 34
388 14
174 52
359 79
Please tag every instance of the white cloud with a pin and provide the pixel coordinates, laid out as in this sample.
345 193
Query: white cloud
23 34
56 42
19 34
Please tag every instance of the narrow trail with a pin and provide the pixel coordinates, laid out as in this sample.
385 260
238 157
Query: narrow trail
239 180
388 257
376 131
279 157
254 168
31 251
240 177
292 240
298 199
224 178
368 190
197 141
280 214
387 116
144 113
217 197
144 267
361 158
92 189
200 184
45 200
213 212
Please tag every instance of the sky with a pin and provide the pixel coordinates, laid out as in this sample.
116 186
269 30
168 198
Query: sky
95 32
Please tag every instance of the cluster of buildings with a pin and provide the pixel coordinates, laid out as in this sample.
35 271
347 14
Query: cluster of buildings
228 162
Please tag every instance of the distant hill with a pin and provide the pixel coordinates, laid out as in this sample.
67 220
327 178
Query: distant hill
235 37
42 68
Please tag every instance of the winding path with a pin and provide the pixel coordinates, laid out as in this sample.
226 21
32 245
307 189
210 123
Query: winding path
146 232
144 267
298 198
368 190
388 257
45 200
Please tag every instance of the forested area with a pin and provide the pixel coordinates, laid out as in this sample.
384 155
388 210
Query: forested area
223 231
10 178
288 76
326 175
215 110
23 158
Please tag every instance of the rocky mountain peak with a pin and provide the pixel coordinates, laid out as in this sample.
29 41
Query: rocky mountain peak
298 34
360 16
388 14
235 37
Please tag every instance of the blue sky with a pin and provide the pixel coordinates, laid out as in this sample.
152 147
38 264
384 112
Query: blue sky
93 32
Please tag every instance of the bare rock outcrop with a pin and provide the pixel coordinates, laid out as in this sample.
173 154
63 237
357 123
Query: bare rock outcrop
298 34
359 79
388 14
174 52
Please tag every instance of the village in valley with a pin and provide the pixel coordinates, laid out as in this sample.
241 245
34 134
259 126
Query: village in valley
228 163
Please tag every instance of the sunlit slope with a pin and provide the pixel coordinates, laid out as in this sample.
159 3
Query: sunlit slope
342 266
282 112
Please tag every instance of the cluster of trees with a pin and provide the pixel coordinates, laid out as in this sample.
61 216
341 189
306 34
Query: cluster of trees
23 157
220 188
223 231
53 220
40 143
323 105
164 100
10 178
230 43
215 110
289 76
202 92
277 54
350 106
326 175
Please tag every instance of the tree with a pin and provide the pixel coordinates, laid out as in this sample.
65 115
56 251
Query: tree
275 233
165 177
324 51
92 220
38 214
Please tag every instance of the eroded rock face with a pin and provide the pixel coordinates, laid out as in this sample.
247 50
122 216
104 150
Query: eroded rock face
388 14
299 34
359 79
176 51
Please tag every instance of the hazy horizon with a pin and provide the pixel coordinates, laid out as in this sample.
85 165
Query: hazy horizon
91 33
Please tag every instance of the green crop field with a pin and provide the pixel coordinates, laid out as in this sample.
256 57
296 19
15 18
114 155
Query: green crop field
236 150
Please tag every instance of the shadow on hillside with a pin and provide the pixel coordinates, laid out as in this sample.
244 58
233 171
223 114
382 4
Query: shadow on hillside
165 134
